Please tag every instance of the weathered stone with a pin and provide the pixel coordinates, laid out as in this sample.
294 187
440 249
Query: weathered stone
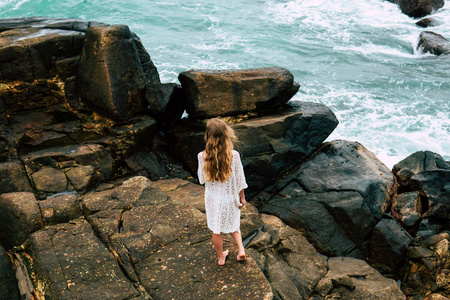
59 209
292 265
139 191
388 246
366 282
431 42
419 253
149 68
69 262
8 284
75 155
28 53
435 184
19 217
13 178
183 191
110 77
435 239
211 93
408 208
436 297
82 177
166 103
421 161
336 196
270 144
45 22
419 8
50 180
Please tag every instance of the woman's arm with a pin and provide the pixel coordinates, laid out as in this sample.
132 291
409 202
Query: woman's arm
242 198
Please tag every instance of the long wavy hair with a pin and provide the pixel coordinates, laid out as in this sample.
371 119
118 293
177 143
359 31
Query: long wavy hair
218 154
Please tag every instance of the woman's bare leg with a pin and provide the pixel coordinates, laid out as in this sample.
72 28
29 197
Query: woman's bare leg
238 239
218 245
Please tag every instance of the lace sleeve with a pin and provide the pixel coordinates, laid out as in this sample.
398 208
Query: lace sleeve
201 176
239 173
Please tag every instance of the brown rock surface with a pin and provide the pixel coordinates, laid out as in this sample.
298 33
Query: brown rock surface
211 93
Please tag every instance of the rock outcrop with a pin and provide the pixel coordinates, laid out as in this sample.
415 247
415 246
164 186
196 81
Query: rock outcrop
336 197
270 144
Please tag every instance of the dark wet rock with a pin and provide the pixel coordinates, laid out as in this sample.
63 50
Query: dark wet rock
82 178
419 252
8 284
59 209
291 264
13 178
69 262
428 22
149 68
110 77
407 207
388 246
166 103
19 217
211 93
336 196
67 67
419 8
270 144
431 42
352 278
421 161
29 53
435 185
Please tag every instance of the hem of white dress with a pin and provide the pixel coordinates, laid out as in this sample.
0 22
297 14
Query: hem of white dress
238 230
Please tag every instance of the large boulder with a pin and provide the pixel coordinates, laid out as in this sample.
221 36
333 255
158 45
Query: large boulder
336 197
388 246
19 217
434 43
110 77
211 93
419 8
270 144
350 278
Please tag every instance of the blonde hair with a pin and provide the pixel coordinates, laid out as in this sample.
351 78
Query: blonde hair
218 154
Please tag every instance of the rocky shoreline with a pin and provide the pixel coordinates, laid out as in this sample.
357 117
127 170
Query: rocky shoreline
98 196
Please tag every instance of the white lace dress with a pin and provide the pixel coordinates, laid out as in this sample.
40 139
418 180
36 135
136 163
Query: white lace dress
222 198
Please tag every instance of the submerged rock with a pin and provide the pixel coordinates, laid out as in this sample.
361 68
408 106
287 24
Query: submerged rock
431 42
419 8
211 93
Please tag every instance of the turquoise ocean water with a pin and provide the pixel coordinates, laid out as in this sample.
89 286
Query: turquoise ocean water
357 57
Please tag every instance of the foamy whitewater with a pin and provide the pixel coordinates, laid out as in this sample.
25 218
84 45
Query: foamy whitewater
357 57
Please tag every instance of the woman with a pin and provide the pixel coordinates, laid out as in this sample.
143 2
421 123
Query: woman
220 169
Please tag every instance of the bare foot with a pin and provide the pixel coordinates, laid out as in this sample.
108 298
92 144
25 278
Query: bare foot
241 257
222 260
